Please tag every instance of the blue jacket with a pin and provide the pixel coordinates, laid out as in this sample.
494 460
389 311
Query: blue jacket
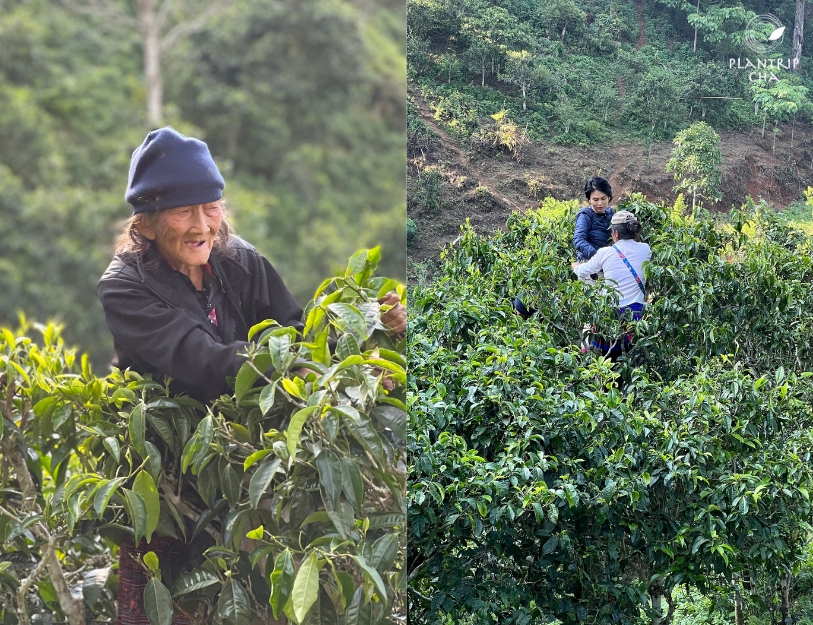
592 232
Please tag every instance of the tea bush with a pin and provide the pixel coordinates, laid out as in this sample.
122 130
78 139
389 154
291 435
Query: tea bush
289 494
546 483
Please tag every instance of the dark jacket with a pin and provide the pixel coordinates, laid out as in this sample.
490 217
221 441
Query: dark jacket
591 232
159 326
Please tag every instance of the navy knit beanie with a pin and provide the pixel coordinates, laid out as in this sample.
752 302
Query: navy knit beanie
170 170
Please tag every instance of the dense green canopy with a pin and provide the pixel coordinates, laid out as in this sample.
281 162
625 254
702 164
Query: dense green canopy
585 72
550 483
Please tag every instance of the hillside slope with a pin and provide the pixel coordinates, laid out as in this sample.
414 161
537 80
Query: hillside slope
486 187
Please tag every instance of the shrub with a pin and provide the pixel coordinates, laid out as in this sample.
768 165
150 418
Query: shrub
411 230
289 494
546 483
504 135
429 188
482 193
419 135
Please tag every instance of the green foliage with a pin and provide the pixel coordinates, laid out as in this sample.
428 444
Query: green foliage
561 17
778 101
655 104
429 188
695 609
696 162
302 105
419 135
289 495
504 135
411 230
547 483
577 72
522 70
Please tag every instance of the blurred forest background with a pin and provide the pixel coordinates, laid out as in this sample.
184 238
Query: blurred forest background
302 104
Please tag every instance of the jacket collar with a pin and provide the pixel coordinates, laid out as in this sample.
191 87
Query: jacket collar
173 288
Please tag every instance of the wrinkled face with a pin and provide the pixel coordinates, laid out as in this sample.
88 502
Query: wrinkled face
598 201
185 235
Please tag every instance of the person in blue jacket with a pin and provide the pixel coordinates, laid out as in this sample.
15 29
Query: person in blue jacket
592 229
593 221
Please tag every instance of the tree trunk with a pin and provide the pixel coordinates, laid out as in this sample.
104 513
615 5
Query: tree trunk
798 37
523 97
694 47
667 593
148 25
785 598
738 616
483 83
657 602
74 610
764 121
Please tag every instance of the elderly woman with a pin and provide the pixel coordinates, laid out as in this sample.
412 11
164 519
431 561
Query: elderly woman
623 267
183 291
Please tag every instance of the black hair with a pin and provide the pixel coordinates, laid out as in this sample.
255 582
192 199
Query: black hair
597 183
629 230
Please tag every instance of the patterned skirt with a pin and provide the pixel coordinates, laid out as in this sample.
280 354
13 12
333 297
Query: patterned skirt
615 347
133 580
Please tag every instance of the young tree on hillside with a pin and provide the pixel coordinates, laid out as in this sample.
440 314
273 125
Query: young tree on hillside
477 56
491 31
449 65
696 162
709 89
715 21
604 98
561 17
522 70
566 111
778 102
655 105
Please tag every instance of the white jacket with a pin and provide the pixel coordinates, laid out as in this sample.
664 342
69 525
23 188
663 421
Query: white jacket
616 272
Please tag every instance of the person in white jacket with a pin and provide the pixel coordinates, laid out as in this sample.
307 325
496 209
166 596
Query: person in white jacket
622 265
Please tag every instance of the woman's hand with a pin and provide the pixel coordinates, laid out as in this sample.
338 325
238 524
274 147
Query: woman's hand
574 264
395 317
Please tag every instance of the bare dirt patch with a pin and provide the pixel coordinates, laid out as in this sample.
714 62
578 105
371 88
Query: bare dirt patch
487 187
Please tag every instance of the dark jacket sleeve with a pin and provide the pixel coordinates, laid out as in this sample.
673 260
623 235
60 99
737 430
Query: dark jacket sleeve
269 297
165 339
583 247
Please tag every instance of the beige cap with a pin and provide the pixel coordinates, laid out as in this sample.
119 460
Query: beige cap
622 217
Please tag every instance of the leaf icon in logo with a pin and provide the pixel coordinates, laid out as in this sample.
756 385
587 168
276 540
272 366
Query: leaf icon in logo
777 33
